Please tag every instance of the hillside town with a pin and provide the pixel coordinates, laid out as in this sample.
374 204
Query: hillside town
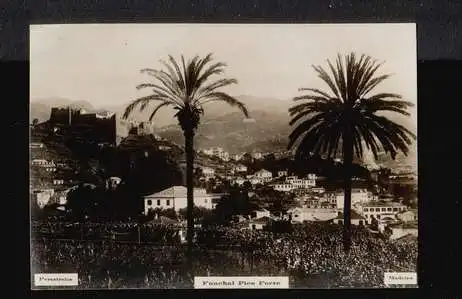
274 192
239 160
312 198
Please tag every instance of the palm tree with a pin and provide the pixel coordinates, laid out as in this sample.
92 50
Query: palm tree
348 118
186 88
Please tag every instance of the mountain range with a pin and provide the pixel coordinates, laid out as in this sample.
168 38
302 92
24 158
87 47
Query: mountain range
221 125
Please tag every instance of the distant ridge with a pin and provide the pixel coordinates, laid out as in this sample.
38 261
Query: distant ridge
220 126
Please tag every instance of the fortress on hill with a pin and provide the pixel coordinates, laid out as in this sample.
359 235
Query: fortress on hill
96 127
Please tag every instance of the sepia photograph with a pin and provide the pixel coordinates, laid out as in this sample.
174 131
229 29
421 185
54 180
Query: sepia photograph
180 156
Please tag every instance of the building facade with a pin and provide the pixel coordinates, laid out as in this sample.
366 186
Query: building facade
358 196
240 168
208 172
380 210
356 219
283 187
176 198
264 174
261 213
282 173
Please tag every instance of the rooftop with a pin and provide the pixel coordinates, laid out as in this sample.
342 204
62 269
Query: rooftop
177 191
381 204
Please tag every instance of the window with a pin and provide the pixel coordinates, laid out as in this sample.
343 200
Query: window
377 209
149 202
378 216
168 202
389 209
158 202
395 209
366 209
384 209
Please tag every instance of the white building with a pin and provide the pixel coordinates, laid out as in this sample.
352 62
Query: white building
264 174
256 180
304 183
312 214
208 172
282 173
356 219
301 183
261 213
176 197
358 196
43 163
283 187
380 210
240 168
217 152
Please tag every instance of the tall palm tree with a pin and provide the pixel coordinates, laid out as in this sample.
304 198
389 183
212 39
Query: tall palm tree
186 88
347 117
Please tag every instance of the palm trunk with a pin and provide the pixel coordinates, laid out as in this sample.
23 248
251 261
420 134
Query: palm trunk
347 164
189 141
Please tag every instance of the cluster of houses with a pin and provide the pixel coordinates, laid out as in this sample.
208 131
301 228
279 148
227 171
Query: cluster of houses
53 189
394 217
50 189
175 198
238 174
49 166
314 203
219 152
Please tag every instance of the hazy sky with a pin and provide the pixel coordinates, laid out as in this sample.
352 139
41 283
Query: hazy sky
100 63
